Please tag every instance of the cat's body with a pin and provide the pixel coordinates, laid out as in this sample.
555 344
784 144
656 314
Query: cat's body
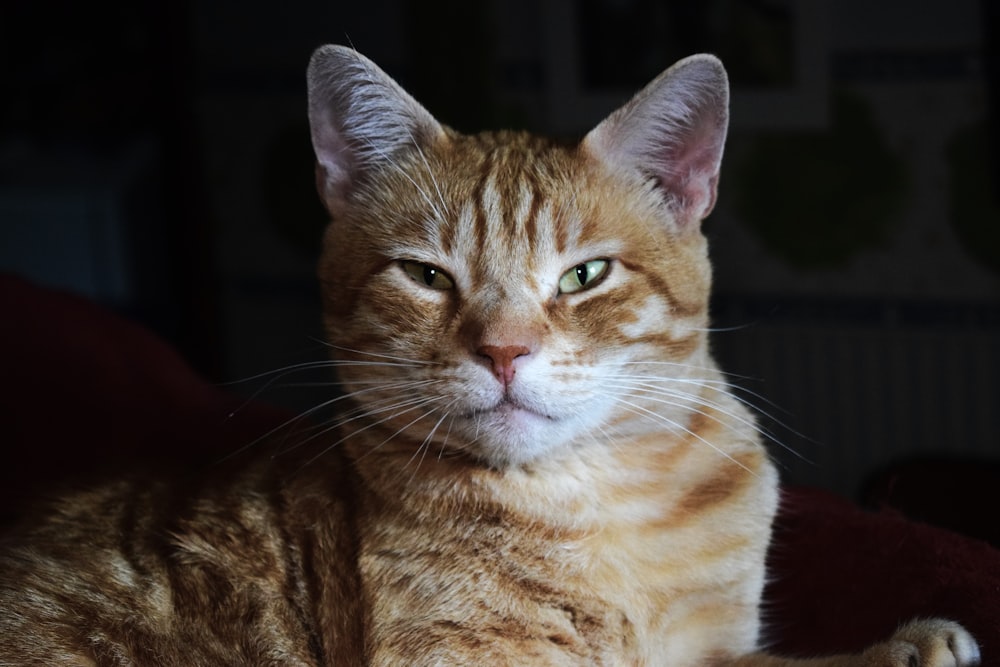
537 462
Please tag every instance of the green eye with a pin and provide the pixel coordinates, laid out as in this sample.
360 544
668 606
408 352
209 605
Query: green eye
583 276
427 275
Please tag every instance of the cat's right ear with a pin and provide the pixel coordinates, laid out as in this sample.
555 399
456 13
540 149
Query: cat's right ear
672 131
360 119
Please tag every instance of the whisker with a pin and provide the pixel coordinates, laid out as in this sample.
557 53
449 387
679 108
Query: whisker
283 425
425 445
302 416
447 435
284 370
706 403
608 437
404 427
724 385
690 367
387 158
274 376
649 383
653 385
414 404
656 417
733 391
691 398
430 172
376 149
735 327
377 355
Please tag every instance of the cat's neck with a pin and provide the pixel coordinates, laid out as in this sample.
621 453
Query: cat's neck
592 482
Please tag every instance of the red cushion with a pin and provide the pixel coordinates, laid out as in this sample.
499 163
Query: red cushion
85 390
843 577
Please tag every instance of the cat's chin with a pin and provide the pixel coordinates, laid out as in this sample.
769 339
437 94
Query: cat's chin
513 434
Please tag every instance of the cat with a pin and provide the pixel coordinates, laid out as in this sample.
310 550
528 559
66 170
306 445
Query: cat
534 461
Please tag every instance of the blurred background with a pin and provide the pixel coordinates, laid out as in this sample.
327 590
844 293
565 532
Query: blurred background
155 157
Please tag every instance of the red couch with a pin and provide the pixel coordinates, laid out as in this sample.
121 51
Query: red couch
85 390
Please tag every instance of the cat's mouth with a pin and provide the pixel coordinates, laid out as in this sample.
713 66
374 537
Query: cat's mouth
508 408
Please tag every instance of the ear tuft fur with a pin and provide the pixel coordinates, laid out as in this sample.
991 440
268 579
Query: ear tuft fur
674 129
360 118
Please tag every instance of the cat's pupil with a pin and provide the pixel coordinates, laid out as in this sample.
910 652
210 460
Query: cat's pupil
429 274
581 274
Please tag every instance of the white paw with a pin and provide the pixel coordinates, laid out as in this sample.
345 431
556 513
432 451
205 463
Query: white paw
934 643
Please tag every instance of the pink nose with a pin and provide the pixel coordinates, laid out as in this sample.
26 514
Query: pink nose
502 359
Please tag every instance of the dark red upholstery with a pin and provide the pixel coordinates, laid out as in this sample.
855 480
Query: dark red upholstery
85 390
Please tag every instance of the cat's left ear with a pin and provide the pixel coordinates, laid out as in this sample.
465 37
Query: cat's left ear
673 130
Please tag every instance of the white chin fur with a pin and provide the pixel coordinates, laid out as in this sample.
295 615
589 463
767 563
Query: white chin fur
509 436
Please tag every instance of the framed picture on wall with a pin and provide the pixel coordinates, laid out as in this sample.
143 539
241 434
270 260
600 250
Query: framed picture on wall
599 52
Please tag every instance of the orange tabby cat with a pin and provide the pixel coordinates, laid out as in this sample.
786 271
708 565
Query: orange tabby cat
537 461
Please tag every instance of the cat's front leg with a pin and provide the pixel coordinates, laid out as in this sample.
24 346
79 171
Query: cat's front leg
921 643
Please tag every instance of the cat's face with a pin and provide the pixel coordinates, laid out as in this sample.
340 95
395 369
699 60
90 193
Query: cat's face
505 297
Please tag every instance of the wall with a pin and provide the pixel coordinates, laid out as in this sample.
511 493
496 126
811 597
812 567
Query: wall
856 239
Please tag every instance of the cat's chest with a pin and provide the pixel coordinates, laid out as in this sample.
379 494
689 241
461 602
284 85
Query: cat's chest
497 592
608 580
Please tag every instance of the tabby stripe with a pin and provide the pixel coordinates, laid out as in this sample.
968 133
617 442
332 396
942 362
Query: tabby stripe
446 230
729 479
677 307
531 221
479 229
674 348
561 225
297 589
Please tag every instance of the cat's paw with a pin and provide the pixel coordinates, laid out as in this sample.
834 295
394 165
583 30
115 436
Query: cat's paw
926 643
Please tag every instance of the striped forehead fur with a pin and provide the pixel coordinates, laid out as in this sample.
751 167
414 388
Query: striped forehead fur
487 198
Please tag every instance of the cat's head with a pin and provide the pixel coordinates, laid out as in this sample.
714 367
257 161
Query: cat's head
503 296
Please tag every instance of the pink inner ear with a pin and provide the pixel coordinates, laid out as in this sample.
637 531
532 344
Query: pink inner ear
673 129
689 171
332 154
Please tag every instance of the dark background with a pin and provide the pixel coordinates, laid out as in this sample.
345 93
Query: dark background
154 156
